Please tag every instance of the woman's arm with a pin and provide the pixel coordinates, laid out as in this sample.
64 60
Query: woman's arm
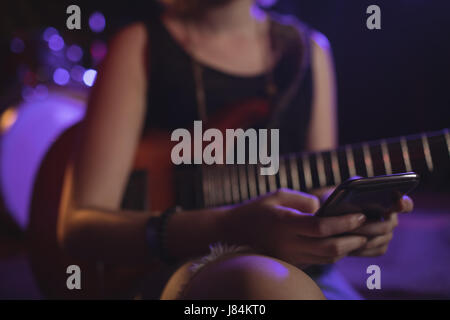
323 129
323 133
90 221
91 224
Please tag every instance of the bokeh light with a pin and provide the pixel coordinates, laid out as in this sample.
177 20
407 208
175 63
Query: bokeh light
77 73
48 33
17 45
56 42
97 22
89 77
61 76
7 119
98 50
41 92
27 93
74 53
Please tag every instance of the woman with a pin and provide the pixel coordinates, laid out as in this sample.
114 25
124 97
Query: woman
149 79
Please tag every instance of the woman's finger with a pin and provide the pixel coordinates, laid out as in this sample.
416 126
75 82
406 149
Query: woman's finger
405 204
317 227
379 227
378 241
300 201
374 252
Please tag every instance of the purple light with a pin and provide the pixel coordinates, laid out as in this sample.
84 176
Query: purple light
41 92
89 77
266 3
77 73
27 93
98 50
48 33
74 53
56 42
38 125
61 76
17 45
97 22
33 94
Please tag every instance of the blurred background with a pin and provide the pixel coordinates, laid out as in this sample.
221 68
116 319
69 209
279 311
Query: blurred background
391 82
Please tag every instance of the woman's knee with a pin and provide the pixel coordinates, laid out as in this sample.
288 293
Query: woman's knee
251 277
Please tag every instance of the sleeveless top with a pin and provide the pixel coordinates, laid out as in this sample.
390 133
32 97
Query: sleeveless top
171 94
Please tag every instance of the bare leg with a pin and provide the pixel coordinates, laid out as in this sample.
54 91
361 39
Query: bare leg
243 276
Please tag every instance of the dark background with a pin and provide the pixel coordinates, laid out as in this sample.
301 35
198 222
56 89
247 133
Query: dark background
391 82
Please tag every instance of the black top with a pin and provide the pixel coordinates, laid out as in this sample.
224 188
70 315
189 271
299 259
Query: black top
172 101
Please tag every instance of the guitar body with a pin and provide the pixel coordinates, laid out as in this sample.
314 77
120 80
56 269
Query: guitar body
49 262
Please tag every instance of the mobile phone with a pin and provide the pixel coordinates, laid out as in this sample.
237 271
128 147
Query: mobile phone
372 196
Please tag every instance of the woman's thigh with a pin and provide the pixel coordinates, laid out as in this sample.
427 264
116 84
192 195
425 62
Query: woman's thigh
242 276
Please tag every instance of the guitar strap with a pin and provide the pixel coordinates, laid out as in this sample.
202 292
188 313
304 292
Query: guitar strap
294 36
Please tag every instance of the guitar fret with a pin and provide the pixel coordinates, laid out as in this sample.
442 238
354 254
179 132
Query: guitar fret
220 185
234 184
335 168
243 182
214 191
427 152
217 192
252 181
321 170
307 171
206 187
272 182
282 173
227 186
368 160
350 161
294 172
405 153
386 157
261 181
447 140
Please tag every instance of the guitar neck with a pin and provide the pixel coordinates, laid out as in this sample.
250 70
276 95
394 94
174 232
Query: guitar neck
423 153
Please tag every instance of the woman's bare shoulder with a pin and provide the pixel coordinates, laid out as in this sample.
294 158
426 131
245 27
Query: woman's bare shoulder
320 42
131 36
127 54
293 31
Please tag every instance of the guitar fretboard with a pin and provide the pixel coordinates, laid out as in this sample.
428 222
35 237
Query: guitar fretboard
423 153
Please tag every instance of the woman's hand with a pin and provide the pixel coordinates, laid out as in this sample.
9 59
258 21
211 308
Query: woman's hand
282 225
380 233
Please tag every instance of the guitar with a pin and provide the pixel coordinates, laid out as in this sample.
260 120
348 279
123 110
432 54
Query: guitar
156 184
